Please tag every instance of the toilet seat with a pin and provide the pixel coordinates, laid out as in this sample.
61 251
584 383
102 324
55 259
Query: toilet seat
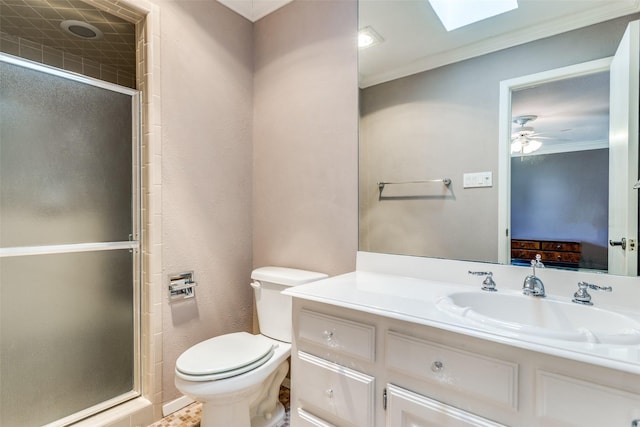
224 356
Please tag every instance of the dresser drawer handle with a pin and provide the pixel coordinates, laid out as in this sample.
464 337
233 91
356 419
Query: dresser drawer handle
329 393
437 366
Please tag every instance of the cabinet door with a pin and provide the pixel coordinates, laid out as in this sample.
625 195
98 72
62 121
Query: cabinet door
570 402
408 409
335 392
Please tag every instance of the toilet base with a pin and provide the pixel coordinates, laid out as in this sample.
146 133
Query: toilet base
276 420
258 407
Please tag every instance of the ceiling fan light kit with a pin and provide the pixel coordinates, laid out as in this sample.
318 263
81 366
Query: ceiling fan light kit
521 141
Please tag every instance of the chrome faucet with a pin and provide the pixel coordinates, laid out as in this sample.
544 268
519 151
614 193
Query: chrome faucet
487 284
532 284
582 296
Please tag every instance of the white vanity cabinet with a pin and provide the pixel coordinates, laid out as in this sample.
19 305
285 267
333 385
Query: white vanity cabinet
332 363
355 368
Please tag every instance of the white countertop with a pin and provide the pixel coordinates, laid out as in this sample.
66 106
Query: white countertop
414 300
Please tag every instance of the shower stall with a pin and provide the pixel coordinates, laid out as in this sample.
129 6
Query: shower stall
69 245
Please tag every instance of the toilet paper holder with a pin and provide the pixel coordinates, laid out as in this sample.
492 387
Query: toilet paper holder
181 286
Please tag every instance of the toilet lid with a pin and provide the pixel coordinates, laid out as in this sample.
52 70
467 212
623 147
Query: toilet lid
225 356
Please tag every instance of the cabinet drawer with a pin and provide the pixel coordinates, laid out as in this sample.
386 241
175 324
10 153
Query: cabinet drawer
308 420
332 389
561 246
525 244
524 254
566 257
339 335
408 409
485 378
565 401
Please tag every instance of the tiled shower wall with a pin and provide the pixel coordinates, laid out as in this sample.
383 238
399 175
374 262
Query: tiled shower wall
27 49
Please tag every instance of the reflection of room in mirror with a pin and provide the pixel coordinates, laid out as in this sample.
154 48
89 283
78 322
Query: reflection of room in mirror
445 122
559 192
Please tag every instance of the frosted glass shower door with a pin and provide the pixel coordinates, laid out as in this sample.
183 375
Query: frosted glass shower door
69 250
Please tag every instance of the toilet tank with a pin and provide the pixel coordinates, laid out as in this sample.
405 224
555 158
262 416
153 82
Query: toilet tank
274 309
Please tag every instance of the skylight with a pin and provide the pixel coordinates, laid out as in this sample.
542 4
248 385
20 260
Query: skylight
458 13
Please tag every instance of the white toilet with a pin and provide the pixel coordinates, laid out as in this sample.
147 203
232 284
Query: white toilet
237 376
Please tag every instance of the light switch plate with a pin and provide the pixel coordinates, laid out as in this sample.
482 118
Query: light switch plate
478 179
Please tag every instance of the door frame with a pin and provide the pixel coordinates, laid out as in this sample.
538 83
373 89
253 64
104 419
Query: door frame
504 138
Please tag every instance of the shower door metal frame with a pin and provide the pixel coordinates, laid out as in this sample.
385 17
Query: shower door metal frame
133 245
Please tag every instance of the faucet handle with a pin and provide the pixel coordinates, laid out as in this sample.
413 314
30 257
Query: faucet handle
581 296
537 262
488 283
596 287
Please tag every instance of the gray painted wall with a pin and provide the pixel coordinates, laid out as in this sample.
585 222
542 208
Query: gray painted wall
305 133
563 196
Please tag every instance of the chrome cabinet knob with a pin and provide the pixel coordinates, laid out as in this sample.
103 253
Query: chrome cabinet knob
437 366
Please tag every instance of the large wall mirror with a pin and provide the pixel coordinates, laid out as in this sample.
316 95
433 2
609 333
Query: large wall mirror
491 142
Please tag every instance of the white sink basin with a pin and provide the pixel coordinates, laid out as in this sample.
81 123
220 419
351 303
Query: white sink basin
542 317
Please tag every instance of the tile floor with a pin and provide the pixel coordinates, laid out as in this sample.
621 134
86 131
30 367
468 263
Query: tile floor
189 416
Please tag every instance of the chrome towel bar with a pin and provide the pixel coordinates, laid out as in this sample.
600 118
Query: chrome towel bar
445 181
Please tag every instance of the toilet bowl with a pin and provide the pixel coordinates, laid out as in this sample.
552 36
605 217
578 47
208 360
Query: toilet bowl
237 376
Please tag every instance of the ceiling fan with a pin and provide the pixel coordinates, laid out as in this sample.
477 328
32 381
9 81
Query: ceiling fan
522 139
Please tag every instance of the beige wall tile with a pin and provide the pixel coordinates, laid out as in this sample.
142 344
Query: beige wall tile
91 68
52 57
30 50
9 44
72 63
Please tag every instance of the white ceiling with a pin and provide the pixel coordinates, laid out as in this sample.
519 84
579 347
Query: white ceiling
254 9
415 40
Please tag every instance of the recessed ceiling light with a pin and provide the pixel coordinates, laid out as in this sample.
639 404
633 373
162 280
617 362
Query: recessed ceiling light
81 29
458 13
367 37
